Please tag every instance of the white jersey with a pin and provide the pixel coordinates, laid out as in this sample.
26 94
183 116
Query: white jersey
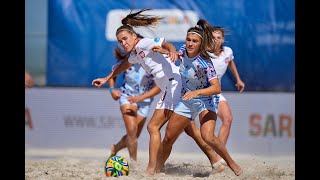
221 62
154 63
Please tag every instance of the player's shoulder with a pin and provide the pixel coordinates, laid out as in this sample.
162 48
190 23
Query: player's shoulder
227 49
203 62
146 39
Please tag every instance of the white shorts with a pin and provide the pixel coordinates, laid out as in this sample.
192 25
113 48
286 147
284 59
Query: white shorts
222 98
143 107
171 95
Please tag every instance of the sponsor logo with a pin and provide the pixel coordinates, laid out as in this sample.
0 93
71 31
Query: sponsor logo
105 122
227 60
173 26
281 125
141 54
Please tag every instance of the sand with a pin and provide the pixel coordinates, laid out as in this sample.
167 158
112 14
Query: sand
68 164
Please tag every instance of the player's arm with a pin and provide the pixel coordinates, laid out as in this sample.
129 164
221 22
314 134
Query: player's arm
213 89
122 67
173 55
239 83
115 93
152 92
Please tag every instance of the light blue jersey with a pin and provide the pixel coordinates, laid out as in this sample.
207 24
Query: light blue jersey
136 81
196 73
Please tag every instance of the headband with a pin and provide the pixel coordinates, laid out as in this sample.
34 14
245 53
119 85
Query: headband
192 32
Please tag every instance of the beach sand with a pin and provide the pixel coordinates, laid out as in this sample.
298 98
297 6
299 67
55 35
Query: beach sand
68 164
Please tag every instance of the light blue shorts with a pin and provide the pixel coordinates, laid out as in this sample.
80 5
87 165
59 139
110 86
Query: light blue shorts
143 107
192 108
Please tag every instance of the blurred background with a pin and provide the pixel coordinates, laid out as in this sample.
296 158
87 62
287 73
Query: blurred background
68 43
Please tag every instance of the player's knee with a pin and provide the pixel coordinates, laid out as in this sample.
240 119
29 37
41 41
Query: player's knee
209 138
168 140
152 128
132 131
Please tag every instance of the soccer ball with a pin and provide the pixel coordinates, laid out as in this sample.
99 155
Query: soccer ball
116 166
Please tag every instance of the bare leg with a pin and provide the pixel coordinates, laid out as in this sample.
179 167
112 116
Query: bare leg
122 143
174 128
193 131
129 114
208 123
159 118
225 116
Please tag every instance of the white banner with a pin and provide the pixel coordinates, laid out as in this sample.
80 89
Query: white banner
263 123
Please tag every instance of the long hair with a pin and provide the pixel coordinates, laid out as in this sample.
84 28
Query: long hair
203 29
138 20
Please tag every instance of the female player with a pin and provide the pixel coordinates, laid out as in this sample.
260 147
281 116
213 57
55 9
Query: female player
222 58
200 83
135 100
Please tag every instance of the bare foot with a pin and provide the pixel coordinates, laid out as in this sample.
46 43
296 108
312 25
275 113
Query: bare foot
217 167
237 170
149 172
160 168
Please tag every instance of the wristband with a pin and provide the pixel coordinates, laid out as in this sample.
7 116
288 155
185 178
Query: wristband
111 89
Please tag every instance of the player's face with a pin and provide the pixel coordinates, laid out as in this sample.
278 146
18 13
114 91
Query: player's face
217 37
193 43
126 40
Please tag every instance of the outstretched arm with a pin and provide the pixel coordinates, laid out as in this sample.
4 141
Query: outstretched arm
239 83
122 67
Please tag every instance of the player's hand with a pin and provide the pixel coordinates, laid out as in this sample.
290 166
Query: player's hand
190 95
173 56
240 85
99 82
134 99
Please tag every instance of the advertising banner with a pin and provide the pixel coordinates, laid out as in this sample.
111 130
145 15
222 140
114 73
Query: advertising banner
263 123
81 37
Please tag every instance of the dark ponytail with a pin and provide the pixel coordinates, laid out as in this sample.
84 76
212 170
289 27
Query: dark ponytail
207 41
138 20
